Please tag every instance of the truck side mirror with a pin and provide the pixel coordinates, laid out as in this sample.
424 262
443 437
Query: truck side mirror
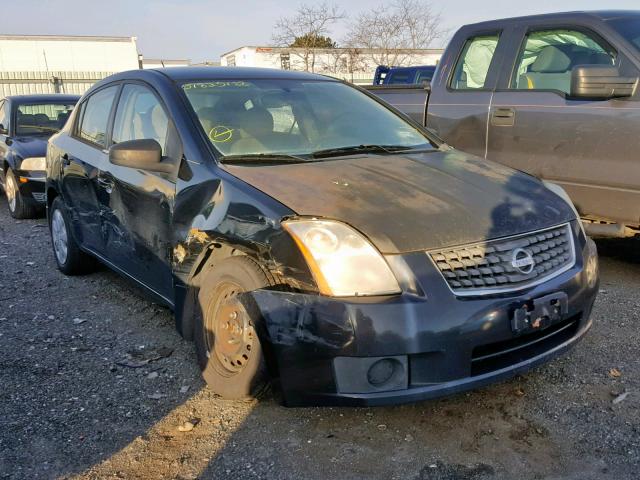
3 130
600 82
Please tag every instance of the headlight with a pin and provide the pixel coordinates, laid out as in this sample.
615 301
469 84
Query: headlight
342 261
34 163
558 190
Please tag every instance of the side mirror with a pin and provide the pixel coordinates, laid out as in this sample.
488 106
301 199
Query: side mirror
140 154
600 82
3 130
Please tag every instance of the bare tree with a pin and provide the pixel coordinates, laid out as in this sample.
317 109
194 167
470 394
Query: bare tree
396 28
307 30
341 61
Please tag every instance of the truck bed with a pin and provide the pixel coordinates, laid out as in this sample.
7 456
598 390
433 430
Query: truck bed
410 99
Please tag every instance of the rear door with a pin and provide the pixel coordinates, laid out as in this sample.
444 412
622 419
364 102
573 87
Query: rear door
83 154
586 146
137 204
462 87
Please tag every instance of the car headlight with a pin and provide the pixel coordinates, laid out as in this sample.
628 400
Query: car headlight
561 192
342 261
34 163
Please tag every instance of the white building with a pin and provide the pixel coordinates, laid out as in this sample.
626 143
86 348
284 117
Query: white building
65 64
356 65
49 53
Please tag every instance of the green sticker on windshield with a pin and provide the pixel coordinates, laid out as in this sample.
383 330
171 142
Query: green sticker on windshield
221 134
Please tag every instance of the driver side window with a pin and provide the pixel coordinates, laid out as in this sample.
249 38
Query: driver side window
549 56
140 116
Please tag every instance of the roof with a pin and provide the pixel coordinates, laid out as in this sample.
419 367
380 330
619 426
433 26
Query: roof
68 38
234 73
44 97
597 14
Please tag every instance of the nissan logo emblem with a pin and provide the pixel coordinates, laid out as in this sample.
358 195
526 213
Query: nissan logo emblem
523 261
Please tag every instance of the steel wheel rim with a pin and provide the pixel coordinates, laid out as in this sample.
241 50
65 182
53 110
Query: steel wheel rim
11 192
59 237
230 335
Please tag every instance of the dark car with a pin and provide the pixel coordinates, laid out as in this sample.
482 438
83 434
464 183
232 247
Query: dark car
301 228
26 123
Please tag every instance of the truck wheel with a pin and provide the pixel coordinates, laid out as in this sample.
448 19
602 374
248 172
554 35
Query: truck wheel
227 345
69 258
18 208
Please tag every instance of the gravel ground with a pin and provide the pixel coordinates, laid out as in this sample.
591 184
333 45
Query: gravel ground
95 383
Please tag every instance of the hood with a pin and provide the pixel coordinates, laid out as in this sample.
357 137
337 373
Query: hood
406 203
26 147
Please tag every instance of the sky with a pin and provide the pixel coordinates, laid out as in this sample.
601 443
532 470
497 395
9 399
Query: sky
204 29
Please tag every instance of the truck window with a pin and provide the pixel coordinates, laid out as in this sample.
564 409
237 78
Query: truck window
473 65
548 57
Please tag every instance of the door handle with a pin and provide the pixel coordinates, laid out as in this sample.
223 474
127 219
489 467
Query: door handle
503 117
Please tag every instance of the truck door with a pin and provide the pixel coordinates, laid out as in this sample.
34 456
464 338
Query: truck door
583 145
462 88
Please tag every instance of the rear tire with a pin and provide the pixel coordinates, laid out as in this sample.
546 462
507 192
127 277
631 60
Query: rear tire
69 258
227 343
18 208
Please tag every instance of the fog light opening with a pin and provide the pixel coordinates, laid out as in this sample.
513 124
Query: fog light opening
385 371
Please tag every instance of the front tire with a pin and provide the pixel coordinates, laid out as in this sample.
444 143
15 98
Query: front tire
69 258
18 208
227 343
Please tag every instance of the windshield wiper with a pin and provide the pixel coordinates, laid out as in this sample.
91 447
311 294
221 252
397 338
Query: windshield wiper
336 152
261 158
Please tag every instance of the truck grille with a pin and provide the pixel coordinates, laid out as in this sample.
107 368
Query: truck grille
506 264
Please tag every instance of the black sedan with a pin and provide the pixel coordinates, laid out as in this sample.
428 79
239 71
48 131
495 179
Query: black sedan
301 228
26 123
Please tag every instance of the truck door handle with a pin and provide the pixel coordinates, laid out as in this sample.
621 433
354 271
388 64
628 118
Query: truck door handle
503 117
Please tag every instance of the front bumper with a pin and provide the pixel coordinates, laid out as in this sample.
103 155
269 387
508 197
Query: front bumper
32 186
440 343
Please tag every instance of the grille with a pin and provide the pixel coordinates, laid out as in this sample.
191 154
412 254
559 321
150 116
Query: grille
506 264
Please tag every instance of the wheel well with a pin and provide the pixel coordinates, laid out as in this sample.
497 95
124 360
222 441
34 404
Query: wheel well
52 193
187 306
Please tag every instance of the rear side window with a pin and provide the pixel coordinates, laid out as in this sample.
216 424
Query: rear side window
140 116
95 116
474 62
549 56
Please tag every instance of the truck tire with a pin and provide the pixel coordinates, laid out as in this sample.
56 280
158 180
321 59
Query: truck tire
227 343
18 208
69 258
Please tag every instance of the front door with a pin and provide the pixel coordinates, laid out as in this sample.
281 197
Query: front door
138 207
589 147
459 102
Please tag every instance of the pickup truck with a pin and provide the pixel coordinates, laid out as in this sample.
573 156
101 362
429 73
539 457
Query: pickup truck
553 95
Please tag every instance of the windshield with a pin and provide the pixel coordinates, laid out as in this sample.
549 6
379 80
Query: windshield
296 118
629 28
42 118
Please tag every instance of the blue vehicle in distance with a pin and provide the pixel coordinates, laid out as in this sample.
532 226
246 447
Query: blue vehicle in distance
403 75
